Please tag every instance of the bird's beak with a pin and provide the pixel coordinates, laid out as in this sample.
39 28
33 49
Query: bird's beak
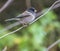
35 10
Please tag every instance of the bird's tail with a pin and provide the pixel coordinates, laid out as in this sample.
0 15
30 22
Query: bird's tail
12 19
10 26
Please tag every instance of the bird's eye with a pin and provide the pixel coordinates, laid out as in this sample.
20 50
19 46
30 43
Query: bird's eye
33 10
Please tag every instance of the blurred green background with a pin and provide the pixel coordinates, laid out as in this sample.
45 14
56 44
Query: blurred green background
35 37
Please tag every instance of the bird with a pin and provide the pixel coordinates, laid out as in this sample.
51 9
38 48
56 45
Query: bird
26 17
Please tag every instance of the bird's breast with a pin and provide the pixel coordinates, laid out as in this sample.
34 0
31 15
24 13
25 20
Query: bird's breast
28 19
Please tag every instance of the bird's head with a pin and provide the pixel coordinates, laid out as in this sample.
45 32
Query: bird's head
32 9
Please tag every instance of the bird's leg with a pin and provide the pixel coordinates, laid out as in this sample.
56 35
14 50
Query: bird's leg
25 24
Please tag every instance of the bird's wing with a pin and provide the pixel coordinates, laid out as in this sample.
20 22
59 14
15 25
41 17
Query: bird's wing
21 16
24 14
17 18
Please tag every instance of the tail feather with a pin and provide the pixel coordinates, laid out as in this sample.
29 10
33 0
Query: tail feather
12 19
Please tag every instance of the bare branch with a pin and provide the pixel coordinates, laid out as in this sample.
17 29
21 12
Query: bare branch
5 5
5 48
12 32
44 13
54 6
10 26
52 45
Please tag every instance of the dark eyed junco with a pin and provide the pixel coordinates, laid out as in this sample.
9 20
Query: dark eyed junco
26 17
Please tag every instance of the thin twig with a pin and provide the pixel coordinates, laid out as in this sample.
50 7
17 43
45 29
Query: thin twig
10 26
55 5
52 45
5 5
5 48
12 32
46 11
